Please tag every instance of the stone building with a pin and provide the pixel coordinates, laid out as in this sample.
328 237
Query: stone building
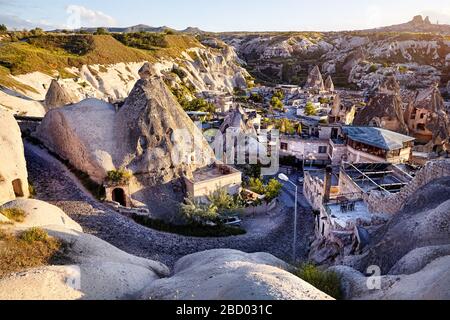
371 144
207 180
427 118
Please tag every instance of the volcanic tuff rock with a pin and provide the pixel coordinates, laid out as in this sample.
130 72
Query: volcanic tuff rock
57 96
361 58
91 269
437 122
205 68
385 109
329 85
315 80
157 138
12 163
232 275
150 135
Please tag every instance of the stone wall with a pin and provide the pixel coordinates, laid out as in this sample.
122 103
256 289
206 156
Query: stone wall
380 202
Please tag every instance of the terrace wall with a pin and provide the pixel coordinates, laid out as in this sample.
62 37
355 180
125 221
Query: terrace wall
380 202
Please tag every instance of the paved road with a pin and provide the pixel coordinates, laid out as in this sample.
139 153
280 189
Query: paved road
56 185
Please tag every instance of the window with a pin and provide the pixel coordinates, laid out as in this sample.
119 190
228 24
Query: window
284 146
421 127
323 150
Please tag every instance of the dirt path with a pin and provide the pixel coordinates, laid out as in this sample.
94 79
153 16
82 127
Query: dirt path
56 185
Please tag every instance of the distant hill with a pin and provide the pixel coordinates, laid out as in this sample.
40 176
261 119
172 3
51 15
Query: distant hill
146 28
417 24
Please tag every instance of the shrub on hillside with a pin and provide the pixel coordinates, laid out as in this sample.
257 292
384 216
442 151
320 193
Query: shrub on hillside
326 281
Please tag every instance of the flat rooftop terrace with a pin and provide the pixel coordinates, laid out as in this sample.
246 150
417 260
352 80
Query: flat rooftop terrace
213 172
342 214
378 176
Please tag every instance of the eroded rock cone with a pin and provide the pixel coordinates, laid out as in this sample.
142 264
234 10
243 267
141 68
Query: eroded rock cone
315 80
157 138
329 85
385 109
150 135
57 96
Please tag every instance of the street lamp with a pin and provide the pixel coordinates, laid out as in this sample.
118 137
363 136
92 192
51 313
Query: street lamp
285 178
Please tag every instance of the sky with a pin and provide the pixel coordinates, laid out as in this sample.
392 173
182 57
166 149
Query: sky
220 15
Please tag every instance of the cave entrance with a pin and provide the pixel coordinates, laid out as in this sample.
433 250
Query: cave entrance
118 195
17 187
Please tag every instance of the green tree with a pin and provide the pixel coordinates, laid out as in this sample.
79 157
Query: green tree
310 109
279 94
225 203
101 31
256 185
37 32
239 92
3 28
256 98
195 211
273 190
276 103
200 105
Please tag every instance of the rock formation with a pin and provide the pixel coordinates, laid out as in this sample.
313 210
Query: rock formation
57 96
428 119
315 80
91 269
156 137
329 85
232 275
385 109
13 171
430 283
150 135
239 126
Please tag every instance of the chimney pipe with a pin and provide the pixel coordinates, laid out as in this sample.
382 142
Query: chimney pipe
327 184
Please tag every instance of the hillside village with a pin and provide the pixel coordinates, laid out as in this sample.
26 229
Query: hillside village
161 165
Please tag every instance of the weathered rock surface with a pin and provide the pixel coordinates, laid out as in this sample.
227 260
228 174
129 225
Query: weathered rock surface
436 123
93 269
150 135
364 59
57 96
315 80
385 109
329 85
211 69
97 271
40 214
83 133
13 171
155 137
430 283
232 275
417 259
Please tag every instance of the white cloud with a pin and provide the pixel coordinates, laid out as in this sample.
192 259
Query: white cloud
80 16
14 22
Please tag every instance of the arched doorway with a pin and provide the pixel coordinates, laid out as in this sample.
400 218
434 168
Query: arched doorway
118 195
17 187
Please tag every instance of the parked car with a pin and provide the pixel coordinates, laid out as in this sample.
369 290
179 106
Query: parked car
232 221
